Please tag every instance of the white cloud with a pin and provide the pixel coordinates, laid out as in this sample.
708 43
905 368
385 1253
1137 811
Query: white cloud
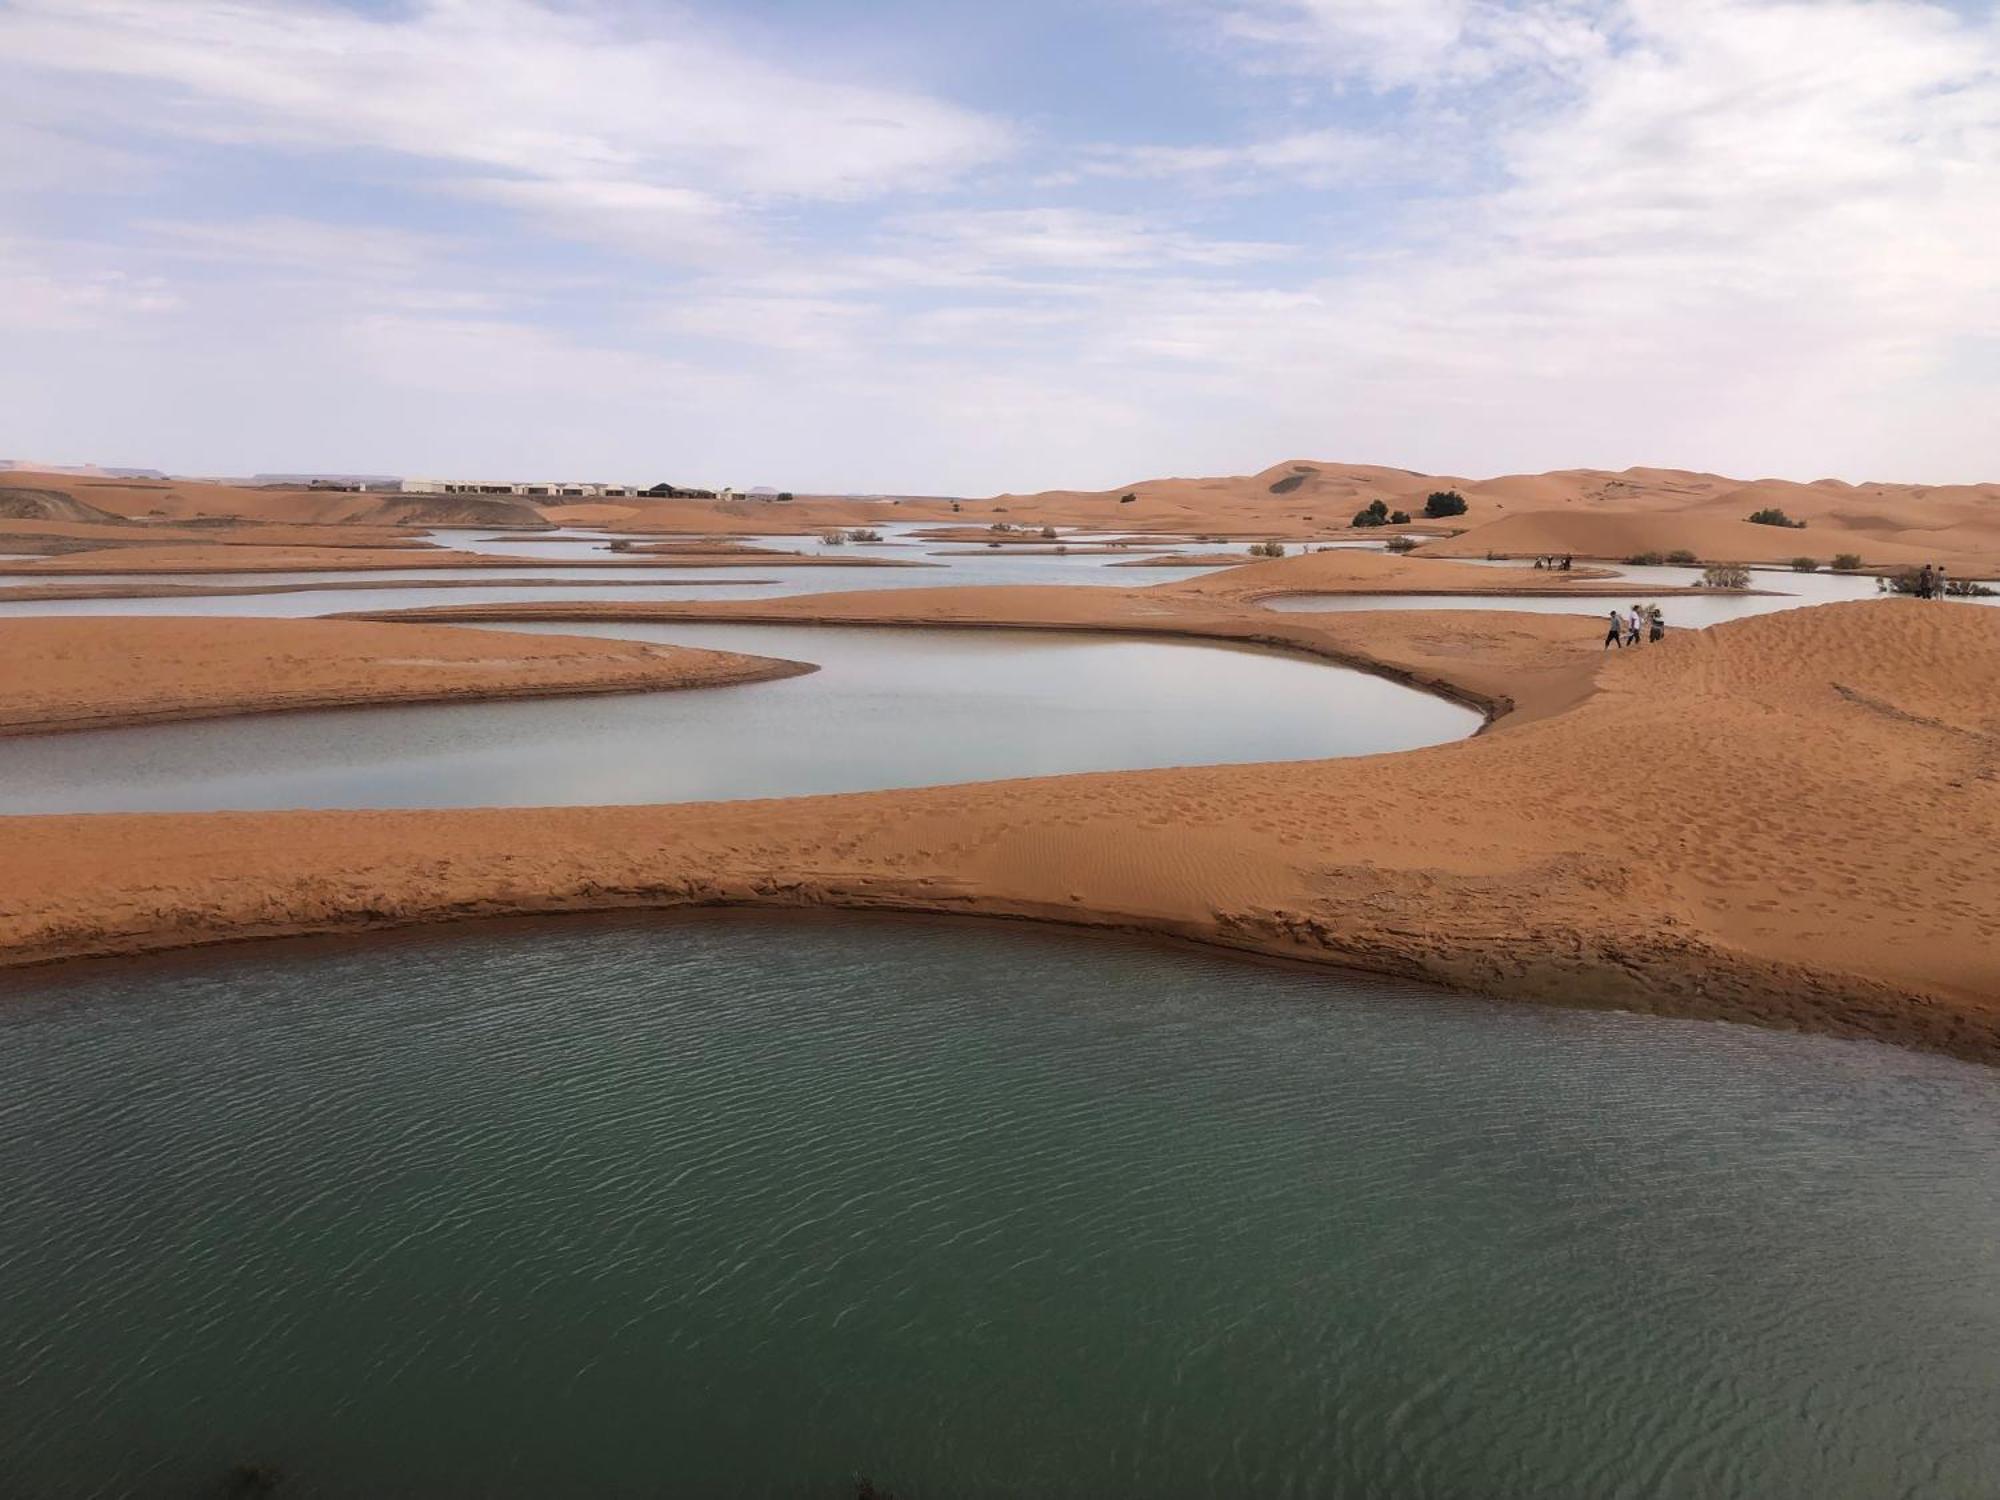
1315 158
1391 44
1031 239
510 87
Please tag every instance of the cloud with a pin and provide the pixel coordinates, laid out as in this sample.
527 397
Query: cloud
1390 44
573 105
1314 158
1066 239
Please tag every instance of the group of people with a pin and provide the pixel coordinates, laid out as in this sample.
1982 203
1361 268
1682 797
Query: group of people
1554 564
1931 582
1626 630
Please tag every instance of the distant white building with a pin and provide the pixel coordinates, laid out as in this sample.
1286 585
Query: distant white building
539 489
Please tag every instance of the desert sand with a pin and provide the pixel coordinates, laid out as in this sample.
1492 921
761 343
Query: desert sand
62 674
1591 513
1789 820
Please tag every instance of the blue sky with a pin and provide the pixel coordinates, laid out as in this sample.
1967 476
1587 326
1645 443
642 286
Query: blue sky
950 246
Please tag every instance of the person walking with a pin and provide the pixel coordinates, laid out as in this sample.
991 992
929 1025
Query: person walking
1924 582
1938 583
1632 628
1658 632
1616 635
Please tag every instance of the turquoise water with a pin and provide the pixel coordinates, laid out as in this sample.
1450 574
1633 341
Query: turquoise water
750 1206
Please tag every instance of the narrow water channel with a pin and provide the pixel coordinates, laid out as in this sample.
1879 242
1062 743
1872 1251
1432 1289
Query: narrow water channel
752 1206
889 708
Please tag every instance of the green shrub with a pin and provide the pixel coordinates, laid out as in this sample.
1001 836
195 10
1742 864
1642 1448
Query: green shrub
1772 516
1442 503
1680 557
1725 576
1366 518
1805 565
1267 549
1379 509
1402 544
1399 518
1847 562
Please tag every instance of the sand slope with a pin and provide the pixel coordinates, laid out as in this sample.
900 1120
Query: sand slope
1792 820
66 673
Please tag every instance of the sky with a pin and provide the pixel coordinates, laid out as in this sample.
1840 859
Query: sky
945 246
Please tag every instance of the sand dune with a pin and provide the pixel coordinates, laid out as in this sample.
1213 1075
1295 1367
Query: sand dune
1790 820
1590 512
94 673
1710 537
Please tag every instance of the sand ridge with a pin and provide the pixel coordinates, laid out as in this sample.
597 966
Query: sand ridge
63 673
1789 819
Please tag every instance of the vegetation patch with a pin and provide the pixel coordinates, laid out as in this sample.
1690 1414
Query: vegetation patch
1770 515
1725 576
1442 503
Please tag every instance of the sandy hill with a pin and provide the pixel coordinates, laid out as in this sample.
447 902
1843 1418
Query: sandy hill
1711 536
24 504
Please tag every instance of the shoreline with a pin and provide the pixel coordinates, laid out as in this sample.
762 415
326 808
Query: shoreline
1712 884
73 675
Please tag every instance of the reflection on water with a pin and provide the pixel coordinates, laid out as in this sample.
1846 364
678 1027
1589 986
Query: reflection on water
890 708
749 1207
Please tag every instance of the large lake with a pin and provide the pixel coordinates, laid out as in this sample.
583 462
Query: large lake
750 1206
889 708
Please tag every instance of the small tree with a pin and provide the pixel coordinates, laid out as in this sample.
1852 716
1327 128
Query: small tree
864 534
1805 565
1399 518
1680 557
1770 515
1442 503
1267 549
1846 562
1379 509
1725 576
1366 518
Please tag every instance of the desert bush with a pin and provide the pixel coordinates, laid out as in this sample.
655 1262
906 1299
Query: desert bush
1001 526
1396 518
864 534
1644 560
1770 515
1127 498
1680 557
1966 588
1048 533
1725 576
1442 503
1379 509
834 538
1805 565
1267 549
1402 544
1846 562
1365 518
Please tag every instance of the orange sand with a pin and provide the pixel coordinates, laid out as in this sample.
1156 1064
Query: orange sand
1790 820
94 673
